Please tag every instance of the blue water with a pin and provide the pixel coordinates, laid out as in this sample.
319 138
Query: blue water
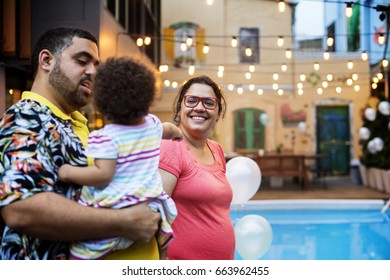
325 234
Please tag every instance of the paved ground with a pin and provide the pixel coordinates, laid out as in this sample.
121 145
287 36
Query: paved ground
327 188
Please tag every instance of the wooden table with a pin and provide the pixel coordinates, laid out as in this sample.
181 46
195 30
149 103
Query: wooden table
282 165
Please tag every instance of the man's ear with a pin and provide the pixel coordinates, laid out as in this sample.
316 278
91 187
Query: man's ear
46 60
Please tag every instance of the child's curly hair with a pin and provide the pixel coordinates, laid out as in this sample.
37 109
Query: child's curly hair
124 89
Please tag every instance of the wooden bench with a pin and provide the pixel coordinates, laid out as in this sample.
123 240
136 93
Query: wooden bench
279 165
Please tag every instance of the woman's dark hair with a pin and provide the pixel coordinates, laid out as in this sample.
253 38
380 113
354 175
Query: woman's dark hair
199 80
124 89
56 41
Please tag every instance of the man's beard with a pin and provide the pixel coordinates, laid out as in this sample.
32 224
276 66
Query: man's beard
67 89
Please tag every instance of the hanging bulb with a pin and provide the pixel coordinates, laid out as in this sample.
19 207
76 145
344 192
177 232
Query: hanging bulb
139 42
275 76
329 41
350 64
183 46
281 6
338 89
189 41
209 2
147 40
251 68
248 75
380 76
326 55
364 56
284 67
248 51
381 38
206 48
302 77
385 62
288 54
234 42
280 41
348 9
329 77
316 66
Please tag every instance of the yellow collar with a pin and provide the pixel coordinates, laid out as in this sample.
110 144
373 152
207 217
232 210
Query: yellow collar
78 121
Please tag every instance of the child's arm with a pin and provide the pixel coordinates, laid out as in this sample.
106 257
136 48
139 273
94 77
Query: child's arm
171 131
97 175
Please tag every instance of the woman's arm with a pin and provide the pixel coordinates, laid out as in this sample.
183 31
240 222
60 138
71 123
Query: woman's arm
50 216
97 175
171 131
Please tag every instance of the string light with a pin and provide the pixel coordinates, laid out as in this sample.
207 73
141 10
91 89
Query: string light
326 55
385 62
329 41
275 76
288 54
139 42
338 89
252 68
260 91
381 38
364 56
189 41
281 6
280 41
248 51
234 42
147 40
316 66
348 9
350 65
206 49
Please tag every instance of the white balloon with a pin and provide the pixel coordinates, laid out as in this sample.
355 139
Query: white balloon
371 147
263 118
364 133
253 237
370 114
378 142
384 108
244 176
302 127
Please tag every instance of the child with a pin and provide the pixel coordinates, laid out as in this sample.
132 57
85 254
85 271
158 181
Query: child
125 151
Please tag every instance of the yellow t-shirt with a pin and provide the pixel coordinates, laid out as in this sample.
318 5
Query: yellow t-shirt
79 124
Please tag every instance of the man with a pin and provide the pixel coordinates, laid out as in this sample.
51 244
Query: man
40 215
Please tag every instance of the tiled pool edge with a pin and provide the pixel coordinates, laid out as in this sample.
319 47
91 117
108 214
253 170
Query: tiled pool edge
312 204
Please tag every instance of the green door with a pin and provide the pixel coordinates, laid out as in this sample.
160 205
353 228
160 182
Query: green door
248 131
333 138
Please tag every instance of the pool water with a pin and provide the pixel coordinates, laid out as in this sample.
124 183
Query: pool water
323 231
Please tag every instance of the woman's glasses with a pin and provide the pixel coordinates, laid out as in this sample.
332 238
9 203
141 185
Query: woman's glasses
191 101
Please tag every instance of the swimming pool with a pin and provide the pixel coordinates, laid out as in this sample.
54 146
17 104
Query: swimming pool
322 229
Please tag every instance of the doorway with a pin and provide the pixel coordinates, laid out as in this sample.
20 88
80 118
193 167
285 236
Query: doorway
333 138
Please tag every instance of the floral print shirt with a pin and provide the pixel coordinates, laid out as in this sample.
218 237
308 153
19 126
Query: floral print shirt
35 141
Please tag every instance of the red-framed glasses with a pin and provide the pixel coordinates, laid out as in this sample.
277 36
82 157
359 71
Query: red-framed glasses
191 101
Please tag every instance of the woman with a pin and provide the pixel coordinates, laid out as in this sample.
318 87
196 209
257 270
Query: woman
193 174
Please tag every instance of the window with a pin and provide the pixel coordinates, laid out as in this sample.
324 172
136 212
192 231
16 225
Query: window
249 38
